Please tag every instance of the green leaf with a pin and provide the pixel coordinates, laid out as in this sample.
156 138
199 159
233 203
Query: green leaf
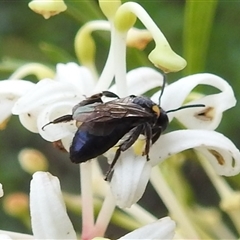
199 16
56 54
83 11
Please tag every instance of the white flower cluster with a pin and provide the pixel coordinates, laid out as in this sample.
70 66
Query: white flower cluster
40 103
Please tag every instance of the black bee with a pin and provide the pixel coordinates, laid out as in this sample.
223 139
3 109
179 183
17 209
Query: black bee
102 125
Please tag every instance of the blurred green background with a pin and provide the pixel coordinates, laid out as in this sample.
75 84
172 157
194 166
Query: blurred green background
27 37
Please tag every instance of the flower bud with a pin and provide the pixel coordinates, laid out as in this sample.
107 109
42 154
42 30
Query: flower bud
162 56
124 19
32 160
47 8
138 38
166 59
110 7
16 204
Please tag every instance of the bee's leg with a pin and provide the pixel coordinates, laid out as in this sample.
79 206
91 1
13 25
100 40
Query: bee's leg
148 135
110 94
133 136
110 169
156 133
65 118
96 98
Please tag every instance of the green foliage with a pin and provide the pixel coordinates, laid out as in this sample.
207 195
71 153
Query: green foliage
198 22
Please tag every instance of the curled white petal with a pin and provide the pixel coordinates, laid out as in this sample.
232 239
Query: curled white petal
161 229
208 117
48 212
10 91
141 80
219 150
76 75
29 120
54 132
131 175
43 93
217 102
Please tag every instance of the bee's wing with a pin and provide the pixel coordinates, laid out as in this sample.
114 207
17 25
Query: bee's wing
100 128
109 111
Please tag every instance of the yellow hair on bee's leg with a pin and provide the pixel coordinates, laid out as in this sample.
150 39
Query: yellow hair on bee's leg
139 146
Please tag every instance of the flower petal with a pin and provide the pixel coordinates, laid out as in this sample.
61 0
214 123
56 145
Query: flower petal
54 132
4 237
43 93
130 178
48 212
29 120
14 235
67 141
78 76
192 117
218 149
141 80
161 229
10 91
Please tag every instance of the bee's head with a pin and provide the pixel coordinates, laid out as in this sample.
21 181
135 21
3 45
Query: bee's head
162 119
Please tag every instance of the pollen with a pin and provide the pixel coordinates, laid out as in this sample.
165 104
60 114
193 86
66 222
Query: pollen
156 109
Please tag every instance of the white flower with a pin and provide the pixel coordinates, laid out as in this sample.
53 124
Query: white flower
161 229
49 218
38 104
132 172
68 88
50 99
48 212
10 91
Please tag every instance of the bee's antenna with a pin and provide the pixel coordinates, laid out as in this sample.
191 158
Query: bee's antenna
163 86
186 106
